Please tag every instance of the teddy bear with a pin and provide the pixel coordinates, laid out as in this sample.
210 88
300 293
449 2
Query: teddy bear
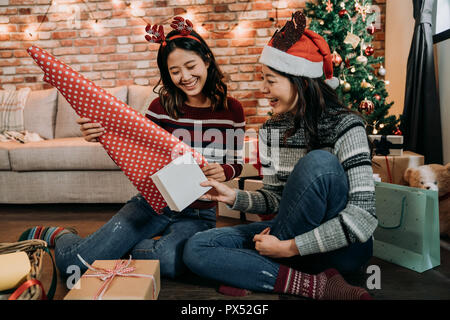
434 177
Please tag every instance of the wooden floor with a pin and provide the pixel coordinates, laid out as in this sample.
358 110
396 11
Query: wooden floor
396 282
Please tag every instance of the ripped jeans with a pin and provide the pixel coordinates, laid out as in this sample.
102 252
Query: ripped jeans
315 192
131 231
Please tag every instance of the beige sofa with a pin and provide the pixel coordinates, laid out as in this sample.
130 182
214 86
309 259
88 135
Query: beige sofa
64 168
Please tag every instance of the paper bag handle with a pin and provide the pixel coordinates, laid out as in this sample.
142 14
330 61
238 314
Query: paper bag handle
401 217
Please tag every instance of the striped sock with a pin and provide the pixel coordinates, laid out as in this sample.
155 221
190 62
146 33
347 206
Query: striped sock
48 234
328 285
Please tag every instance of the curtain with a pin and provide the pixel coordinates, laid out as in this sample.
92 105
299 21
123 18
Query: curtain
421 122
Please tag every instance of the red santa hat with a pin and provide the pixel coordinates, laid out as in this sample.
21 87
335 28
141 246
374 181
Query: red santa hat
299 51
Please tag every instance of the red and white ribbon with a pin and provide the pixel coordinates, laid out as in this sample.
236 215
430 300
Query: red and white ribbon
121 269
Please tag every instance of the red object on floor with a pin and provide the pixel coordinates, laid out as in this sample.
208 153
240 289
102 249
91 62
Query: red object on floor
136 144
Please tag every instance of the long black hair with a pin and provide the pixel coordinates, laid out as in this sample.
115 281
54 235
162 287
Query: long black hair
315 98
172 98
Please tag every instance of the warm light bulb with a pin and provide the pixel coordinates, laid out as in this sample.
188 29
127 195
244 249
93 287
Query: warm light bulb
375 131
136 10
381 125
239 29
30 32
387 82
116 2
97 27
201 30
188 16
281 4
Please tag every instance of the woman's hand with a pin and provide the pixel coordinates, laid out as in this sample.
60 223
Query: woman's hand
214 171
90 130
271 246
219 192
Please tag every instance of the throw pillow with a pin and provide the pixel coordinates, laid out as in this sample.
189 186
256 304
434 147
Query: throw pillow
12 103
66 117
140 97
40 113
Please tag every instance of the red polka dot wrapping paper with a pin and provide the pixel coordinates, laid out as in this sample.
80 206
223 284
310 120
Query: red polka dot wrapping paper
135 143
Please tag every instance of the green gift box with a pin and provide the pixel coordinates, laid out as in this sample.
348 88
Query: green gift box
408 226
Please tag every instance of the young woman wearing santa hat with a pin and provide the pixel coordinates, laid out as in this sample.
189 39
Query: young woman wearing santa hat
317 177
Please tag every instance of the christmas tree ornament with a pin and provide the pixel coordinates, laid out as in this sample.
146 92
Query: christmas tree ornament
366 106
369 51
346 87
353 70
371 29
365 84
377 97
398 132
362 59
352 39
329 6
337 59
363 10
382 71
342 13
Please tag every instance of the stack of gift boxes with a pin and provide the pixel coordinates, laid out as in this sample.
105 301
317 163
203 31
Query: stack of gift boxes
388 163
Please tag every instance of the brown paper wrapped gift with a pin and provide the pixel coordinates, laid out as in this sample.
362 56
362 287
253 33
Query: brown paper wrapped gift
397 166
141 283
249 185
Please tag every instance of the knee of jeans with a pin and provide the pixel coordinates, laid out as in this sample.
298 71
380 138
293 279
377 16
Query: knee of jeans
192 253
319 159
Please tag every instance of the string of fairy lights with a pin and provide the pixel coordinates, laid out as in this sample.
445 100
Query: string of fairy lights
135 11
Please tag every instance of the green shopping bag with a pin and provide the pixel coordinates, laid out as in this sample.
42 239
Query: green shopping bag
408 226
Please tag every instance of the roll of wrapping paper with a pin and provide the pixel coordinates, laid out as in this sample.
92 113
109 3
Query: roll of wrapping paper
14 268
136 144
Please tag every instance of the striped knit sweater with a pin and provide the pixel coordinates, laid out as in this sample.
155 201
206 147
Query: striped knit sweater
207 132
343 135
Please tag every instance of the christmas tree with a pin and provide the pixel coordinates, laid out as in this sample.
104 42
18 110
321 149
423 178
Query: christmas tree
348 26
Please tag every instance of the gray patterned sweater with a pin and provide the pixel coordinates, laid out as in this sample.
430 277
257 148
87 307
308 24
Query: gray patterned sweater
343 135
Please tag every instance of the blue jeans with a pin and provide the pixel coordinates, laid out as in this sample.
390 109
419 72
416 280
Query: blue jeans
130 231
316 191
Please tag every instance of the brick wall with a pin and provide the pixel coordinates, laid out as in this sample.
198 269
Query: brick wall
117 54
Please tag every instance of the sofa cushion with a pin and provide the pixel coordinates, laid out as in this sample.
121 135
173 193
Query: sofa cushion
66 117
40 113
60 154
12 103
140 97
4 154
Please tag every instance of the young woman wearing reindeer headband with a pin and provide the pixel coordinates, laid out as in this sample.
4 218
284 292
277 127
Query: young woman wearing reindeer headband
192 97
319 181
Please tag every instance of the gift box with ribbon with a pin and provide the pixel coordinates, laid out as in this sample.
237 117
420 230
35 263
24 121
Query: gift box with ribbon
390 169
243 183
118 280
251 166
387 145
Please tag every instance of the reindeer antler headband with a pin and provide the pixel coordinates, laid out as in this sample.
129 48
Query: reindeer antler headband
156 32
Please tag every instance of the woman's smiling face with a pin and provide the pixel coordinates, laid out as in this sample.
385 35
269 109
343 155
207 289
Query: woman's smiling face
280 92
188 71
